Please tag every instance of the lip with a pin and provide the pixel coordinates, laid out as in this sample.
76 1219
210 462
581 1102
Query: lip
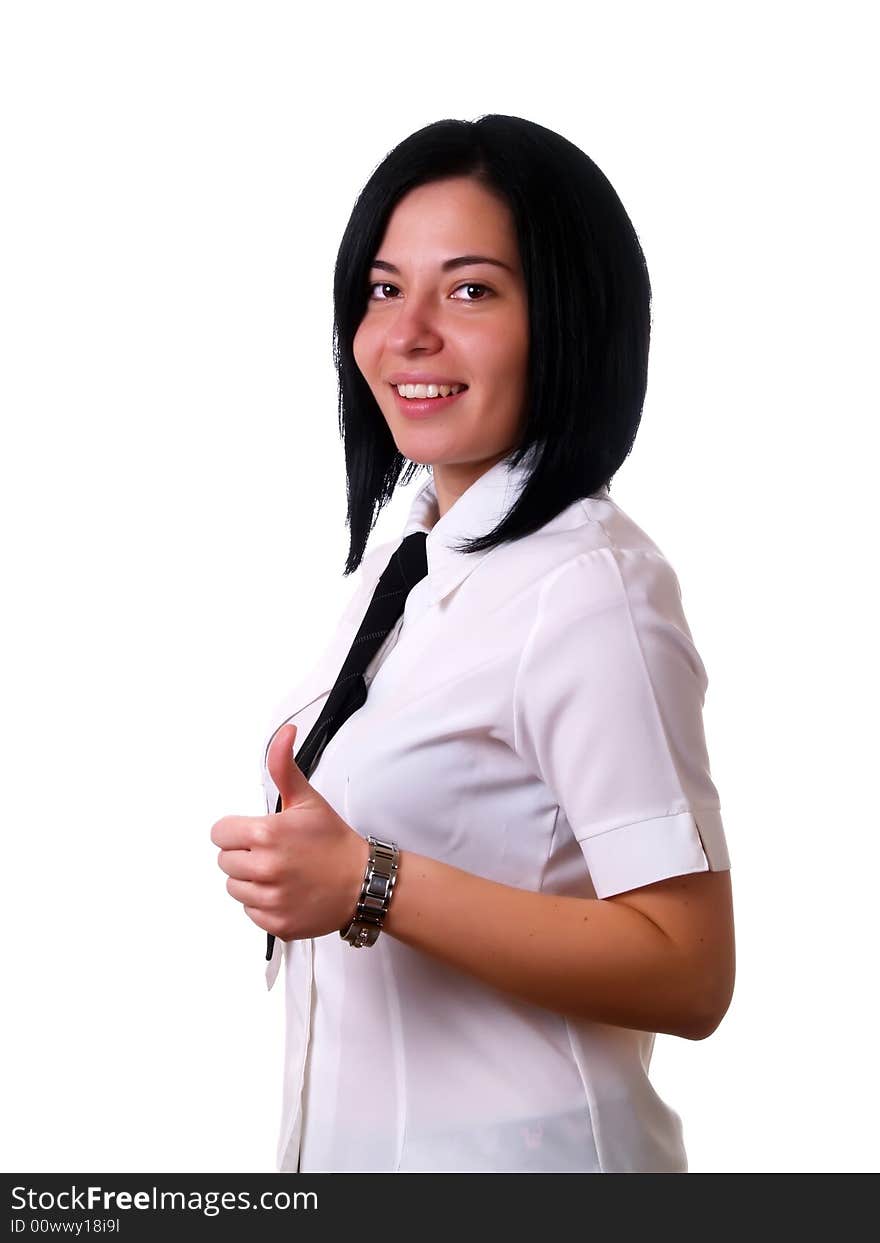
415 408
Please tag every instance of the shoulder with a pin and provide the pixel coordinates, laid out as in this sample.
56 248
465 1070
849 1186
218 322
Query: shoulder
592 557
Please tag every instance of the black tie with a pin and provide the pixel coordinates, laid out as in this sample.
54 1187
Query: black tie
408 566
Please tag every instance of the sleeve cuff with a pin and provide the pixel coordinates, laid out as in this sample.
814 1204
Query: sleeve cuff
652 850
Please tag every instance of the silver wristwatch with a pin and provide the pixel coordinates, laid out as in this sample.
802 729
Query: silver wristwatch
379 879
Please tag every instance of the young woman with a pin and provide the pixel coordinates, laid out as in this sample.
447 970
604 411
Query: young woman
526 779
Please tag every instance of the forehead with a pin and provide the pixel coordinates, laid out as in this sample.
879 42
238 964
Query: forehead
454 216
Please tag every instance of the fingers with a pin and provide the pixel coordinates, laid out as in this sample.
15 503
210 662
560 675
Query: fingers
246 865
261 898
237 832
261 919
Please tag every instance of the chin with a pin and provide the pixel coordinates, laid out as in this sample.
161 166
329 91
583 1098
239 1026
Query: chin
419 456
415 447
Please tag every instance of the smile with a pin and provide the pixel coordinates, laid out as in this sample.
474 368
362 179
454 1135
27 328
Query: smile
418 407
428 390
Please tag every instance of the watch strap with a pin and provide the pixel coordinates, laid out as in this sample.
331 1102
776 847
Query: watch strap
380 876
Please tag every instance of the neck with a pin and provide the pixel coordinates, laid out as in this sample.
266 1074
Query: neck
452 479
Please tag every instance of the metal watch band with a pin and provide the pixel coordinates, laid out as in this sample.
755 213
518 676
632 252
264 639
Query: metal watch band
378 885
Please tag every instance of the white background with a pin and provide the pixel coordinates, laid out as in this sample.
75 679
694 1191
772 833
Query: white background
177 177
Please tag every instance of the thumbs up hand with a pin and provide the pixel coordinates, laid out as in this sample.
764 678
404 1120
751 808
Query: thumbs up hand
299 872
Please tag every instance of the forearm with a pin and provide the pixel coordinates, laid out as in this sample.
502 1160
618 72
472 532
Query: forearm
576 956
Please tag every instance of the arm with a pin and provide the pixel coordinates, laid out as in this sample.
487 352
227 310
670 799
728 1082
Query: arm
660 958
607 714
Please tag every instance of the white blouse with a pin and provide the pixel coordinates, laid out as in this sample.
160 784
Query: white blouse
535 718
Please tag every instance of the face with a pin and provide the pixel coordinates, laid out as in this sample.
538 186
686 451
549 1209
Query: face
432 315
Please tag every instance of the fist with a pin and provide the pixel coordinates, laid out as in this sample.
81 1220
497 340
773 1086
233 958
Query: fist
298 873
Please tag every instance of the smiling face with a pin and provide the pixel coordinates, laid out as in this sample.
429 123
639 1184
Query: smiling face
437 309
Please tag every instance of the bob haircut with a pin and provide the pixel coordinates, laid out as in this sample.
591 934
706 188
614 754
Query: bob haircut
589 307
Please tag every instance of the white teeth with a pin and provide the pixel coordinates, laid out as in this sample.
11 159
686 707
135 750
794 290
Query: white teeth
428 390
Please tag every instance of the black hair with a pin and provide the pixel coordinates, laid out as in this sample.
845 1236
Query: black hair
589 306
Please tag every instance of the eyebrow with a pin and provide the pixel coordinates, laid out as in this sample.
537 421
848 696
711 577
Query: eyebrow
462 261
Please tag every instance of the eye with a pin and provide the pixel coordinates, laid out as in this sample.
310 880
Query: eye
474 285
380 285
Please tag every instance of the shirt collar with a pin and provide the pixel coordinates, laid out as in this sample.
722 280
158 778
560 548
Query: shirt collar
476 512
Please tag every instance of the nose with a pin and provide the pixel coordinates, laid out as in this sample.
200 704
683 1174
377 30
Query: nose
415 325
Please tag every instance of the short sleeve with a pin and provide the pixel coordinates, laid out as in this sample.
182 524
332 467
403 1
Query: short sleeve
607 711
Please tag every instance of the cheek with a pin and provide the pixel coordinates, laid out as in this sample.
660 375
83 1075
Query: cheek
365 348
504 357
358 345
521 358
508 377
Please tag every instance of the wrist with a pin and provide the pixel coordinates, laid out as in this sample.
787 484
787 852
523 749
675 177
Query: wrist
378 881
358 871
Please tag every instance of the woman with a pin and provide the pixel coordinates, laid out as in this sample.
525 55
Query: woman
531 748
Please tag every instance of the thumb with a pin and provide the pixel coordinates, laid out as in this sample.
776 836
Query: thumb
290 781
